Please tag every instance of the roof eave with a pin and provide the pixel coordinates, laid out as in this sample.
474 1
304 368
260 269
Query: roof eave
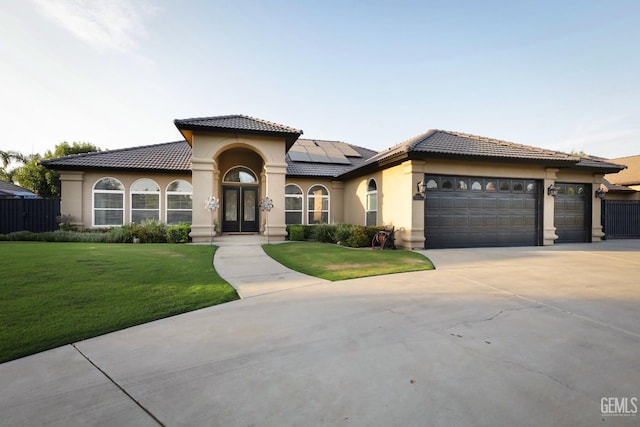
187 130
68 168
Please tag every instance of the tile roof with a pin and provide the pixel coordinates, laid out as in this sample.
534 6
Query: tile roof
167 157
615 187
598 164
12 190
235 123
456 143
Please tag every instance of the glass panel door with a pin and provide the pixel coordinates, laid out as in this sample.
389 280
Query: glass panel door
250 209
240 209
231 209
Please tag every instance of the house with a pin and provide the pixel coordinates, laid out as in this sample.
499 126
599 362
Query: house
625 184
439 189
12 191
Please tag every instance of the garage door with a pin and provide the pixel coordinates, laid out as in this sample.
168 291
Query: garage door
572 213
480 212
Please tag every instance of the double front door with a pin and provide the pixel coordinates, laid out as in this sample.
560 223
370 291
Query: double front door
240 209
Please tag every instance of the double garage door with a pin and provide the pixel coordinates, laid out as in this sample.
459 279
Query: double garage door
463 211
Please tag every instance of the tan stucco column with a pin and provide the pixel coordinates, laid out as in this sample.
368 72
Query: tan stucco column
204 184
275 173
416 237
548 202
71 199
596 211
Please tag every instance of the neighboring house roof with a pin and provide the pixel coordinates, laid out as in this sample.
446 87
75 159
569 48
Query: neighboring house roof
172 157
236 124
10 190
447 144
313 157
629 176
614 188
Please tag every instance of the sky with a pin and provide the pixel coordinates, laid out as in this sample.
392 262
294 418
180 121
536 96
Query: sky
562 75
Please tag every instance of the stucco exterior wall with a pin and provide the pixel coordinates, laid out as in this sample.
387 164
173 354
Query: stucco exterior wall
77 193
336 191
355 191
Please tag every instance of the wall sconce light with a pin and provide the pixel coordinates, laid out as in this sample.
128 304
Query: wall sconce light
422 188
552 190
600 193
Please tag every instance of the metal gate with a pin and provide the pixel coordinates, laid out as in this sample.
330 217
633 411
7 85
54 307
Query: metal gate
621 219
37 215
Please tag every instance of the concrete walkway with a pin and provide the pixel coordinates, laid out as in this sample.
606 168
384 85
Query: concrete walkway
517 336
252 272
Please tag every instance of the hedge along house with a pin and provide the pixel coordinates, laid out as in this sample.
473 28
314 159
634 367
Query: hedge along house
440 189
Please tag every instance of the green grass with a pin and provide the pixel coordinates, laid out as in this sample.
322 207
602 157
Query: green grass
53 294
333 262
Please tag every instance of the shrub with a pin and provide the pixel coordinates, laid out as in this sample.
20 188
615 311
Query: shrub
343 232
296 232
358 238
178 233
150 231
324 233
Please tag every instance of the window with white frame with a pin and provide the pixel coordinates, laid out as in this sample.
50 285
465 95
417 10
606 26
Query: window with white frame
108 202
179 202
293 204
145 200
371 203
318 205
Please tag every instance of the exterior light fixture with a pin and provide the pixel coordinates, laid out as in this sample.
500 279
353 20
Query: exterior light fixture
422 188
600 193
552 190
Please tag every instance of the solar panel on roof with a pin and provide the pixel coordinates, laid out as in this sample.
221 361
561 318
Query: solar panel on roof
346 149
340 160
298 156
320 158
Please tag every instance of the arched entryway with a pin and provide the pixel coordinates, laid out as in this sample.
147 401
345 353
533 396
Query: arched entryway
241 187
240 197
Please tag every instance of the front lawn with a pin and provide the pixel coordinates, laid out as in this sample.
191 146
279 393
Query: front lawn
334 262
53 294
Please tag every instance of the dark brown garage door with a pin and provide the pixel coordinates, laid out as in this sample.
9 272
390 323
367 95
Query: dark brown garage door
572 213
462 211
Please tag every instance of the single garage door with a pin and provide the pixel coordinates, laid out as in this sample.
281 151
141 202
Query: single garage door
462 211
572 213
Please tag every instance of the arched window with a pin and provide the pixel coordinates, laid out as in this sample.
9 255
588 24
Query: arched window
293 204
371 203
145 200
240 174
318 205
108 202
179 202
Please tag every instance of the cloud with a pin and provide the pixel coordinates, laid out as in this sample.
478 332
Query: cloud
104 24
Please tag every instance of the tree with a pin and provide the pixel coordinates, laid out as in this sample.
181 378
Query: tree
7 158
42 181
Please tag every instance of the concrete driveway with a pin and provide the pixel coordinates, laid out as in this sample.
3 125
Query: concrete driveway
493 337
